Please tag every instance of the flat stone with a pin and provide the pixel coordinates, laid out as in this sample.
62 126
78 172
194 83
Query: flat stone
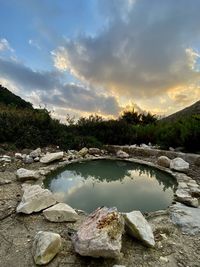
178 164
60 212
122 154
24 174
100 234
52 157
164 161
45 247
138 227
187 218
35 199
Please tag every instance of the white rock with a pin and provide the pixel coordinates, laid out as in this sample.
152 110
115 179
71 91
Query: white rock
164 259
83 151
36 159
24 174
45 247
100 234
35 199
187 218
145 146
122 154
184 196
60 212
18 156
94 150
52 157
138 227
36 153
178 164
164 161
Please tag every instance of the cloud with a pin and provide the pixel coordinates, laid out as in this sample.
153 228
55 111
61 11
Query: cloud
5 46
34 44
146 48
47 88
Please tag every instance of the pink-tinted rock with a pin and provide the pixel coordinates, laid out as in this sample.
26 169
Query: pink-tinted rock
100 234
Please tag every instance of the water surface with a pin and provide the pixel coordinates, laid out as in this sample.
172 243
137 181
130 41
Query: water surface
127 186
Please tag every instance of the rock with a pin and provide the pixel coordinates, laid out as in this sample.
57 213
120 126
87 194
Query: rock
45 247
187 218
145 146
178 164
35 199
60 212
122 154
5 158
164 259
36 159
24 174
164 161
184 196
119 265
94 150
18 156
52 157
100 234
83 151
171 149
27 159
36 153
138 227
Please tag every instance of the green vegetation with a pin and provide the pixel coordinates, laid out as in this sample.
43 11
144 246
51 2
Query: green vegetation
9 99
21 126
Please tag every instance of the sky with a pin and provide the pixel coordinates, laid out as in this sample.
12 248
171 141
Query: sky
82 57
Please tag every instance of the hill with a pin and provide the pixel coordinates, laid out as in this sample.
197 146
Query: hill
194 109
7 98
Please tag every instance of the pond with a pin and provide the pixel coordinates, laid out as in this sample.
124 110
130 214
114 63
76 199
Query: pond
125 185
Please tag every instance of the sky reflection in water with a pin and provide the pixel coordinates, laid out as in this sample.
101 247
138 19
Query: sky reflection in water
127 186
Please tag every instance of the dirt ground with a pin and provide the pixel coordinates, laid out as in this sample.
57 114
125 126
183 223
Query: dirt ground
173 248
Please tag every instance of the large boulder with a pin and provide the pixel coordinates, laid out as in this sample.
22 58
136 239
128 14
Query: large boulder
45 247
36 153
83 151
187 218
138 227
178 164
94 151
24 174
52 157
35 199
122 154
60 212
100 234
164 161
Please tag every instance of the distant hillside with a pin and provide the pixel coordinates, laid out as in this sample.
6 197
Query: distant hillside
186 112
7 98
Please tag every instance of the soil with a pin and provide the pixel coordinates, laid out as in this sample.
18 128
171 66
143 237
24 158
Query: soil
173 248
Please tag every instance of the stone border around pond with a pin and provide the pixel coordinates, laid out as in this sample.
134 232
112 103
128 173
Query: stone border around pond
187 192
